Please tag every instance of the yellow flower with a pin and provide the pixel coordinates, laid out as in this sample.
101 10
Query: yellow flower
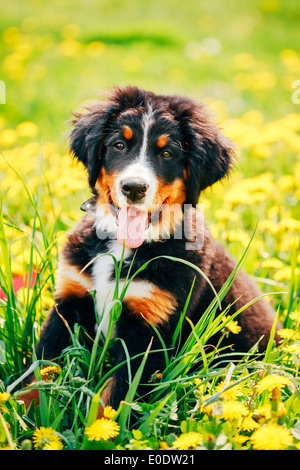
265 413
288 223
232 326
187 440
231 393
268 225
27 129
292 349
208 409
247 424
237 235
4 396
285 274
102 429
262 413
271 382
163 446
233 410
295 315
272 263
271 437
288 333
47 439
70 48
226 214
8 137
49 373
240 439
109 412
286 182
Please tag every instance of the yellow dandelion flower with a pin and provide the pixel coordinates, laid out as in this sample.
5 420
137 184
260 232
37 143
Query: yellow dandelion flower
281 410
272 263
208 409
102 429
226 214
292 349
271 437
269 226
295 315
288 223
240 439
4 396
288 333
286 182
163 446
27 129
236 235
232 326
248 424
283 274
8 137
55 445
109 412
70 48
233 410
262 413
50 373
231 393
271 382
46 439
187 440
197 381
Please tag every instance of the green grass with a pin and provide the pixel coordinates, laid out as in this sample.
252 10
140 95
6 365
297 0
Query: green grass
241 60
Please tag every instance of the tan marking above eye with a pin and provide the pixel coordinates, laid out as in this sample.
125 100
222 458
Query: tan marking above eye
163 140
127 132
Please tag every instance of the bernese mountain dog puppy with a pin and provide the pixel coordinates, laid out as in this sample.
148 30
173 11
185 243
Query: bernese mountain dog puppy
148 158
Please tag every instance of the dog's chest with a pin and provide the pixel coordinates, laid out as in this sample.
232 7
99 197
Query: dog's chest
104 281
104 278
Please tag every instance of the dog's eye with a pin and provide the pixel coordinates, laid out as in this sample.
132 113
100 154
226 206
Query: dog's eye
119 146
166 154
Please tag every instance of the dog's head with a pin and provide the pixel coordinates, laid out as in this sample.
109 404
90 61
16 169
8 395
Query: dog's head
146 154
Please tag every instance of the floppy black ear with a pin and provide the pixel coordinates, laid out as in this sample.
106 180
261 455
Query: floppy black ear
210 156
86 137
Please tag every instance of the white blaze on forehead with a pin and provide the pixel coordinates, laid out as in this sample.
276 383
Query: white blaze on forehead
139 169
147 121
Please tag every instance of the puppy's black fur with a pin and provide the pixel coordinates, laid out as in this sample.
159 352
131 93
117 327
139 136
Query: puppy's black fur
141 149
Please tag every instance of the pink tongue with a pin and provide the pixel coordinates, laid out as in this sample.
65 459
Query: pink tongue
132 226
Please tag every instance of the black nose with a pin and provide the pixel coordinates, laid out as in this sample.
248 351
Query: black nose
133 190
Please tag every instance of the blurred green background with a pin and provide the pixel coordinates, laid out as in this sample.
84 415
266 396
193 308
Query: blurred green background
54 55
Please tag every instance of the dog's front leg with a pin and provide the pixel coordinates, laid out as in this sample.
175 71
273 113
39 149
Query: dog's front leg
137 337
55 334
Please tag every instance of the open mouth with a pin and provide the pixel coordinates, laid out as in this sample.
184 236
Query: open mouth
132 223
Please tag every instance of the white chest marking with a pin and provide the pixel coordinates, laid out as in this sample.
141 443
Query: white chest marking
102 273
